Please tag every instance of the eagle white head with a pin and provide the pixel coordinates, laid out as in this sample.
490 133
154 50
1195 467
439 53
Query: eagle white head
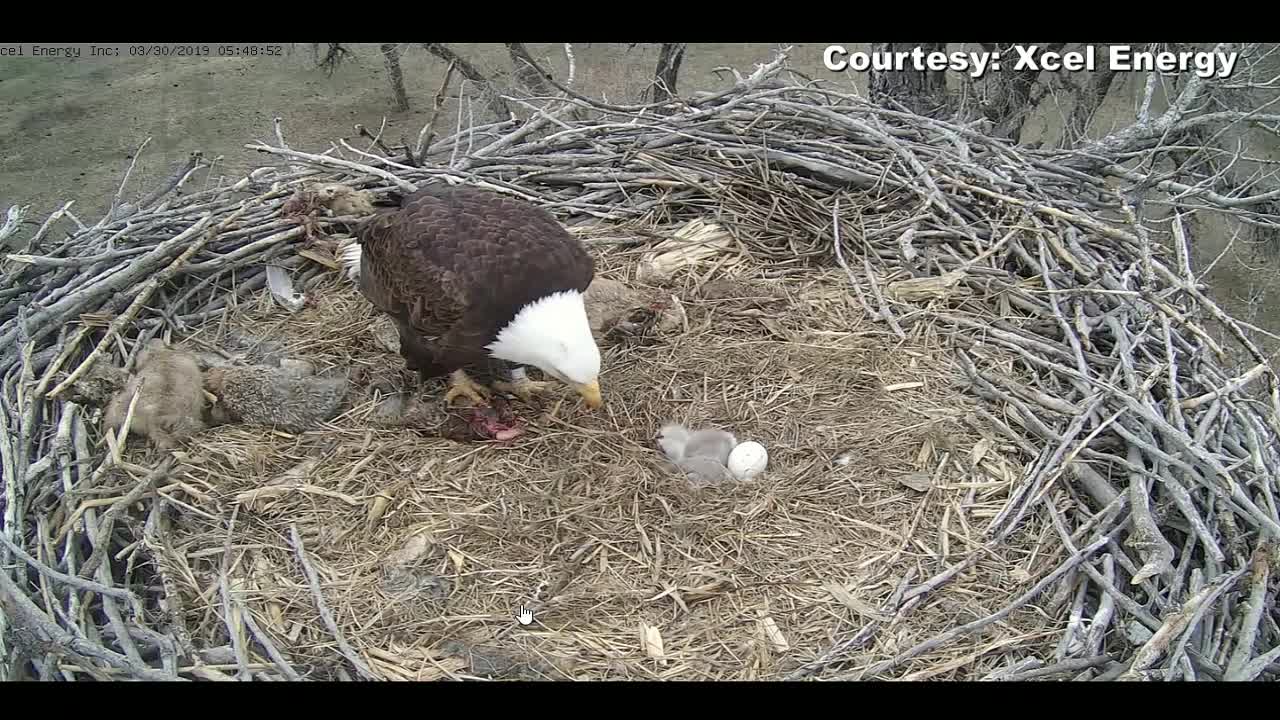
554 335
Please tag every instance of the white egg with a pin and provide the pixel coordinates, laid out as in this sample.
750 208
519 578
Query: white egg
748 460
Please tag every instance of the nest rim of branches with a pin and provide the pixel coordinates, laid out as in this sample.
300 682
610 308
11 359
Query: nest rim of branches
1143 456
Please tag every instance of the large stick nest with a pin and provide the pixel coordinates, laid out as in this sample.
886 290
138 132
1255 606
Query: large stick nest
1010 435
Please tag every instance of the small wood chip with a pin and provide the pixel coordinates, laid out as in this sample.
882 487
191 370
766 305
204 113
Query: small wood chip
920 482
980 450
844 597
771 631
651 641
926 288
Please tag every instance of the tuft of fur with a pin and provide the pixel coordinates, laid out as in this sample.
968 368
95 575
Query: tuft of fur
170 405
616 310
274 397
345 200
464 425
607 299
703 455
97 386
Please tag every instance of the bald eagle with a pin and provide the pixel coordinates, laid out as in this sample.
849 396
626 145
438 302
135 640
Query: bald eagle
478 281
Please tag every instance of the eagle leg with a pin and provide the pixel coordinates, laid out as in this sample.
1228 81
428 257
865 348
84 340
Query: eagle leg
461 384
521 386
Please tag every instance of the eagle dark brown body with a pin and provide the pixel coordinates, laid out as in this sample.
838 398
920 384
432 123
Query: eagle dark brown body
454 264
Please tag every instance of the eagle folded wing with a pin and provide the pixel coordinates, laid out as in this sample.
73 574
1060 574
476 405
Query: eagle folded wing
454 265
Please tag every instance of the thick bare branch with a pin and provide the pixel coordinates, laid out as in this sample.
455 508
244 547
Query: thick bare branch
391 60
667 73
1144 135
1088 96
919 90
491 92
527 72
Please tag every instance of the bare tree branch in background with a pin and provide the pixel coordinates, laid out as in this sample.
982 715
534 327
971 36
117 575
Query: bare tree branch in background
526 71
667 74
1089 96
1196 103
391 58
334 54
921 91
490 91
573 65
1145 134
428 132
1195 163
1193 151
1007 98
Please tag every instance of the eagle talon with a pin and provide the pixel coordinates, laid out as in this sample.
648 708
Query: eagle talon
524 388
461 384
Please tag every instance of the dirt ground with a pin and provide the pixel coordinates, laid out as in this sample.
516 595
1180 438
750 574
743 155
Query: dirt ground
68 127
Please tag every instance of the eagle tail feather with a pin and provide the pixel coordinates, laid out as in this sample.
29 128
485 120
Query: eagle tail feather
349 255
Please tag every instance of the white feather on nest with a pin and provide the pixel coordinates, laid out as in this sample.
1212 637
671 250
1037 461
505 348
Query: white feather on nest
694 241
349 256
281 287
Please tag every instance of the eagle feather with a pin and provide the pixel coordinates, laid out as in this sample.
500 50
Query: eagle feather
453 265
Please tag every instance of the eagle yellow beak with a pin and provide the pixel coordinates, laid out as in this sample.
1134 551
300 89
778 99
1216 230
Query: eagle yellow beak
590 393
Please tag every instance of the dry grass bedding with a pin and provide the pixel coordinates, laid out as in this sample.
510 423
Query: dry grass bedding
630 570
